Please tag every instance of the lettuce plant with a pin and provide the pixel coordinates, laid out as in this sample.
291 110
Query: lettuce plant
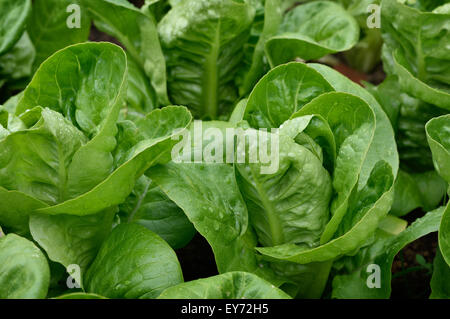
346 196
71 166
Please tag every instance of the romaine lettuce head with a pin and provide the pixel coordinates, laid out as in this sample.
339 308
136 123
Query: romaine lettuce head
333 184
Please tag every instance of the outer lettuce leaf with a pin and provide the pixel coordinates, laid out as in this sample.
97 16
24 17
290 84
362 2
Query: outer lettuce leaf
351 283
48 28
137 31
13 16
210 198
24 271
15 209
311 31
232 285
438 134
80 295
424 190
440 289
133 262
271 15
386 93
69 239
147 205
203 42
444 235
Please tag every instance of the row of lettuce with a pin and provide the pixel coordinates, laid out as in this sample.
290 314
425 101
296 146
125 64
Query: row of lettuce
86 176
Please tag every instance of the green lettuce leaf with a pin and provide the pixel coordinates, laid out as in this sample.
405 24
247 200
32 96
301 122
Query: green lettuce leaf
203 43
352 282
13 16
137 31
134 263
232 285
311 31
147 205
49 30
24 271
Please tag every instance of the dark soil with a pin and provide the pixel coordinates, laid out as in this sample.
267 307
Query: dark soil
197 259
411 279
